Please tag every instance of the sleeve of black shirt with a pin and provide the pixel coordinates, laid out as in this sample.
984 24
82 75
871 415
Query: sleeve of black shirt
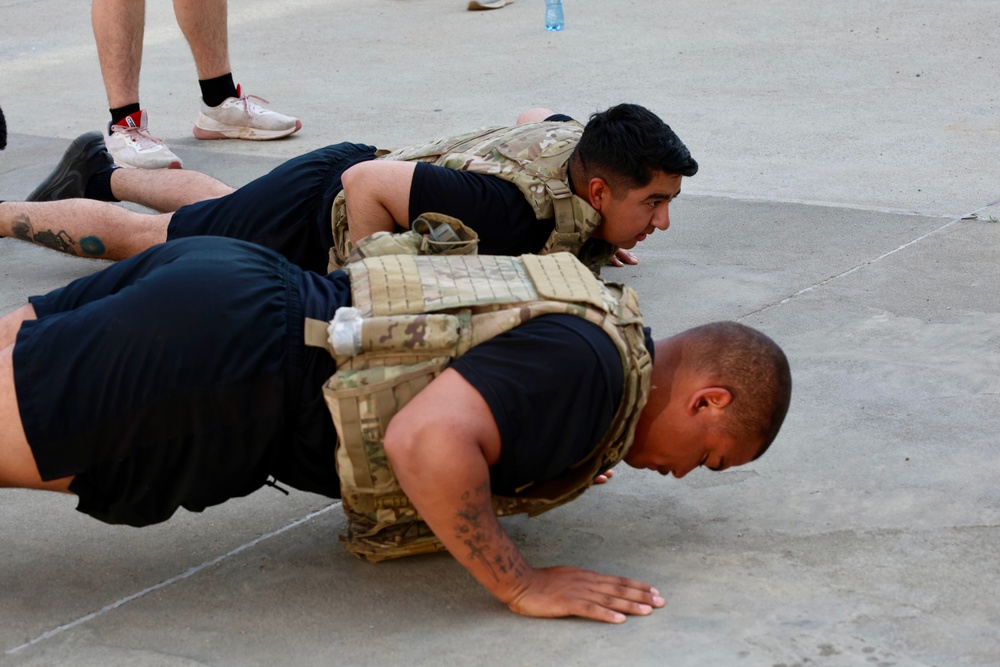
553 385
495 208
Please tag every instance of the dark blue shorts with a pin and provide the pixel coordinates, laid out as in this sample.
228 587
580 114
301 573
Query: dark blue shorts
170 379
287 210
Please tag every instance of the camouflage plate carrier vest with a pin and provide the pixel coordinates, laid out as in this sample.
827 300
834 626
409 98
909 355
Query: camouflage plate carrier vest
411 316
535 158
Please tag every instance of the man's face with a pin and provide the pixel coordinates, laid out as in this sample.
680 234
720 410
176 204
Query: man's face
628 217
677 441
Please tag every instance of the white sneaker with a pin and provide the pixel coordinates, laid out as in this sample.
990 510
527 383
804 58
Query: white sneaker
131 145
476 5
241 118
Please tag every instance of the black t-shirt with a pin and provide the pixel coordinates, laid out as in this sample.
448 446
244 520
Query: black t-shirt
495 208
553 385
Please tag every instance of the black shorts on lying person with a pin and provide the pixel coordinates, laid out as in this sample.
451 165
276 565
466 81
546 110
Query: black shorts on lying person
179 378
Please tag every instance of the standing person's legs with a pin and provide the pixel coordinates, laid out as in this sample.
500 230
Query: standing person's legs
204 24
226 113
118 30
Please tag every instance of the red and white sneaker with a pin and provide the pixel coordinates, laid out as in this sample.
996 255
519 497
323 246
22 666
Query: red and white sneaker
241 118
131 145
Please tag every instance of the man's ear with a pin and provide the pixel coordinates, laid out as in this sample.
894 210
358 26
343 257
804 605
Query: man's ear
597 191
711 398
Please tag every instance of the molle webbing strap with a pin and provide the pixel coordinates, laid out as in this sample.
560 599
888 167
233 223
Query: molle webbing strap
403 284
362 403
566 235
561 277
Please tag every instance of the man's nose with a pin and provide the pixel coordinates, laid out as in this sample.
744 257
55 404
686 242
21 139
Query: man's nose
661 219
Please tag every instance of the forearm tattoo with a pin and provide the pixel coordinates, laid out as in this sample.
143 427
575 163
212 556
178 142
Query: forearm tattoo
479 530
22 228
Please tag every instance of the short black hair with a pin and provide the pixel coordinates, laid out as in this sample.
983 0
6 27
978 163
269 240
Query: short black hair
627 144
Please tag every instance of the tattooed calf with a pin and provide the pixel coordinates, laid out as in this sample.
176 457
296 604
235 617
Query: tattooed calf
60 240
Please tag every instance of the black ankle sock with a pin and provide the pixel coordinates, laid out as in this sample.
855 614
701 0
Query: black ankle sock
118 114
99 185
215 91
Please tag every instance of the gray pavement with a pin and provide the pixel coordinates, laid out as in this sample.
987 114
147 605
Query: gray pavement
846 205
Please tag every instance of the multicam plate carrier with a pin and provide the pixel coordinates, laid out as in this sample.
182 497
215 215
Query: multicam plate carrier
532 156
416 314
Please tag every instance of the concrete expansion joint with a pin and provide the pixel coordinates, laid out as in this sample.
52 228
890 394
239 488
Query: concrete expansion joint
857 267
48 634
810 202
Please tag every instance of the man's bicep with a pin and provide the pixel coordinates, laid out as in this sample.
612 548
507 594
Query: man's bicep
450 412
378 196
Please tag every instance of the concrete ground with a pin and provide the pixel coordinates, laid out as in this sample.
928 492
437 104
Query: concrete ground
847 205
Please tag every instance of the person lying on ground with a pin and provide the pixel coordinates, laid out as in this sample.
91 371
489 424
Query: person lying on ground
544 185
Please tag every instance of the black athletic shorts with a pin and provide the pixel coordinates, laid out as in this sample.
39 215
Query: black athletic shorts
170 379
287 210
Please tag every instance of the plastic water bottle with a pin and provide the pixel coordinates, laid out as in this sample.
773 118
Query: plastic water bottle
554 19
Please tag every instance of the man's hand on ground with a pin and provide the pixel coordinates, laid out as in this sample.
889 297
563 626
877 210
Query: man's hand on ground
604 477
569 591
623 257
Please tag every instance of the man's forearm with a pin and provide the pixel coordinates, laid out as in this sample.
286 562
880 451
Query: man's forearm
441 446
483 547
458 507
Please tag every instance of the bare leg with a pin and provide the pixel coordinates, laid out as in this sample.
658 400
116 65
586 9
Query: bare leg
118 26
204 24
11 323
165 190
17 463
83 227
